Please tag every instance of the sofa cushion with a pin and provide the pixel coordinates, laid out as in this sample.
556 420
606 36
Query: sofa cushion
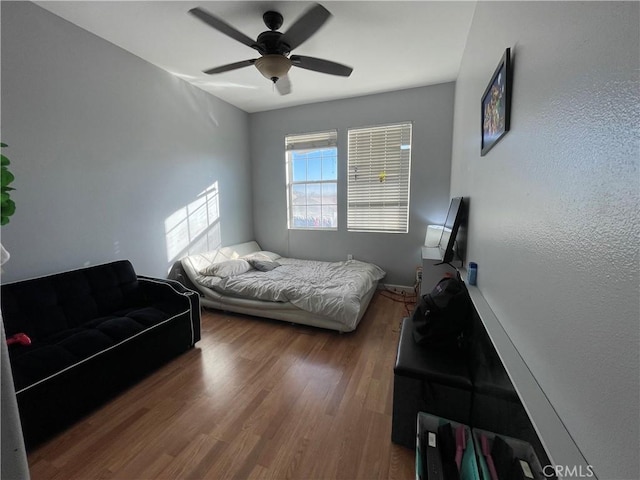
52 354
83 343
43 306
37 362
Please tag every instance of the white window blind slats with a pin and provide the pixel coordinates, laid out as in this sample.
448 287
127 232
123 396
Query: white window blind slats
378 183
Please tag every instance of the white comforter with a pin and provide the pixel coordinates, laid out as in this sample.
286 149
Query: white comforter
333 289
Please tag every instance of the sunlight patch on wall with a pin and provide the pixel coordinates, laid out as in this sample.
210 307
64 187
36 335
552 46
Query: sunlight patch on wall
195 227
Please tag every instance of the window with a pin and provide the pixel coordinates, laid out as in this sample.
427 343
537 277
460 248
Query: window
312 180
378 183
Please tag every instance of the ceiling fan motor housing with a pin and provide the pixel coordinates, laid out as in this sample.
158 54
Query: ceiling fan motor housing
270 43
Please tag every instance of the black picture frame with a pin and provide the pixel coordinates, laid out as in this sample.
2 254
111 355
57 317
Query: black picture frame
495 107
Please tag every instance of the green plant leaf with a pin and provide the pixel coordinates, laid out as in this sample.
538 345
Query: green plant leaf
6 177
8 208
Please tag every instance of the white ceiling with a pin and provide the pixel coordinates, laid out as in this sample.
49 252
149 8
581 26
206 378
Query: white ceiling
390 45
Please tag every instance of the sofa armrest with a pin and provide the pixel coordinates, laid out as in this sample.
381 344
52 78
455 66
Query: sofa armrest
161 289
174 284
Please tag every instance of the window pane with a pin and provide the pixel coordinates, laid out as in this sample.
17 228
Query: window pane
299 168
329 193
299 216
314 166
299 194
314 215
314 194
329 166
312 181
330 216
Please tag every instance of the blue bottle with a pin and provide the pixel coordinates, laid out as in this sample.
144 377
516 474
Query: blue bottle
472 274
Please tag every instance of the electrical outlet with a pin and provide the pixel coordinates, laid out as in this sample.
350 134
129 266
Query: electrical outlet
418 274
349 256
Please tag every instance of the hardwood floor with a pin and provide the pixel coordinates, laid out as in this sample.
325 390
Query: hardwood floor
254 399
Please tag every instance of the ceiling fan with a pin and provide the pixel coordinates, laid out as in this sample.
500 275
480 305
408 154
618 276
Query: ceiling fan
274 47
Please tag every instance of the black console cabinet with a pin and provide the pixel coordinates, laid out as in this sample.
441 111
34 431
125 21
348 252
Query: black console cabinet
469 386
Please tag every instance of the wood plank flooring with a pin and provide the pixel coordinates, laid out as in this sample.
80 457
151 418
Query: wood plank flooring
254 399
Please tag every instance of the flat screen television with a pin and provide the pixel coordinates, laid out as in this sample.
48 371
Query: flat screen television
450 230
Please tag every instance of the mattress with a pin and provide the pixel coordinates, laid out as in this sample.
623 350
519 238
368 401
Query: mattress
331 295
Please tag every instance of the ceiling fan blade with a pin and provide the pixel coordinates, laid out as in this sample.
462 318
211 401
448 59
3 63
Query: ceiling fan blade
283 85
222 27
320 65
305 26
230 66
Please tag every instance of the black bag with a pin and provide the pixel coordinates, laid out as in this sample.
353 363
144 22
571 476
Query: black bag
442 316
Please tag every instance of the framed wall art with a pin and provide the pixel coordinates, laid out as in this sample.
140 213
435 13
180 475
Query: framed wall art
496 105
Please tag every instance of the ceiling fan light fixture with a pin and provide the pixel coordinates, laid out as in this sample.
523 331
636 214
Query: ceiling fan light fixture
273 67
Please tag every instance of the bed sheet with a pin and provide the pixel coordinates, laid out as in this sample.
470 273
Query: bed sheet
333 289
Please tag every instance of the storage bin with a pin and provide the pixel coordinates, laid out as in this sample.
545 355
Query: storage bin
532 470
468 461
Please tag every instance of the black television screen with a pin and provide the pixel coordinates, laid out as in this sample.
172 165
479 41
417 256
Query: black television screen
450 230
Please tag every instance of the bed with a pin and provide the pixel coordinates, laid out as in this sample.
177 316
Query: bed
243 278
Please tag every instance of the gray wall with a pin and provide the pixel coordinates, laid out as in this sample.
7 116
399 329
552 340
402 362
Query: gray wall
431 111
105 147
554 208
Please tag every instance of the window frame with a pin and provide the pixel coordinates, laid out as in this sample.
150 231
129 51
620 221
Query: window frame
304 143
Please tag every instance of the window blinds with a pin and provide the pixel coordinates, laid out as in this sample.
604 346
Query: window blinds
378 183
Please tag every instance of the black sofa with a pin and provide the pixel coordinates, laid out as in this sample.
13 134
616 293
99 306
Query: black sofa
93 331
467 385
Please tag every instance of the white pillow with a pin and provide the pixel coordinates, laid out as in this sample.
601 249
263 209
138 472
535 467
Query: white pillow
263 265
262 255
228 268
